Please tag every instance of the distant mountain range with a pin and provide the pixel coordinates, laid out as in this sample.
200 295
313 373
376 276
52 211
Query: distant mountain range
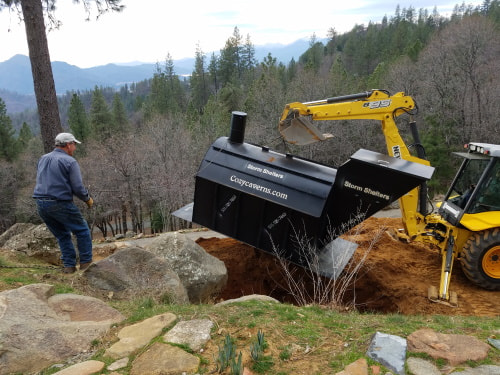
16 82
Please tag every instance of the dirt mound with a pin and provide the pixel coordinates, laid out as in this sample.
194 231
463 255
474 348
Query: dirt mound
394 276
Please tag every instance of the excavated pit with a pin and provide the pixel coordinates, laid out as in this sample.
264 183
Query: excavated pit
393 277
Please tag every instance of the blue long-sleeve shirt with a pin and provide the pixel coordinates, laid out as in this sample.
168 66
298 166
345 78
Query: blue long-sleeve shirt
58 177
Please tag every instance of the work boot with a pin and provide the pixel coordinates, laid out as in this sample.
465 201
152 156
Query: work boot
84 266
69 270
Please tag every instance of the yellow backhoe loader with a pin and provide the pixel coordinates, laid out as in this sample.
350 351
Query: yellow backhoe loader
467 223
297 208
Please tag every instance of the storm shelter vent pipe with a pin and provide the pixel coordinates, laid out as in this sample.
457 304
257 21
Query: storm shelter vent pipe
238 122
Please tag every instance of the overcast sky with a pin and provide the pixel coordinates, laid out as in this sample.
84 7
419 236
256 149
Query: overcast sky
147 30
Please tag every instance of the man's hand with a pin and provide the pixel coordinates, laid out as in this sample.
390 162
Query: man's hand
90 203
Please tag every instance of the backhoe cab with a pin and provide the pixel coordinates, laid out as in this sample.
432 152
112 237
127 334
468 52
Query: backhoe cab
475 189
472 205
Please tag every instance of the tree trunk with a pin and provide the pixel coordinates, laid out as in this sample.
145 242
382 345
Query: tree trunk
41 68
124 217
109 220
102 227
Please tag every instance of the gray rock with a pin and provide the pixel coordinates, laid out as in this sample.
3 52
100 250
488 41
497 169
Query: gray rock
203 275
14 230
133 271
494 342
193 333
480 370
121 363
388 350
251 297
419 366
38 328
36 242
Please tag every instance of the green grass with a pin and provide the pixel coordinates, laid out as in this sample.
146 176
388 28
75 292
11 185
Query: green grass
286 325
313 327
331 338
63 288
21 279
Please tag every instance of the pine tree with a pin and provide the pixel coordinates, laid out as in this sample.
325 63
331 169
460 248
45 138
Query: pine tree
8 144
291 70
313 57
78 120
25 135
158 98
213 69
167 95
120 121
265 99
175 93
198 81
248 61
101 122
230 59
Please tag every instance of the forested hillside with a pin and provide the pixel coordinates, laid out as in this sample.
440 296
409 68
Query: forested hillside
143 144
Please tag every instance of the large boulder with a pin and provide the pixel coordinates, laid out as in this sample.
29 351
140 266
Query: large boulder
13 231
133 272
39 328
36 242
203 275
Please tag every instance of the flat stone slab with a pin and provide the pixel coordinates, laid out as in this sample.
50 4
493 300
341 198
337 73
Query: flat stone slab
82 368
165 359
388 350
456 349
193 333
419 366
138 335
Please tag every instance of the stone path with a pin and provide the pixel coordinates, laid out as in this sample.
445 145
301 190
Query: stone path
162 357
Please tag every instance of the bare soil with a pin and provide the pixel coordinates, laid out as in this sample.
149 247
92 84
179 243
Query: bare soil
394 277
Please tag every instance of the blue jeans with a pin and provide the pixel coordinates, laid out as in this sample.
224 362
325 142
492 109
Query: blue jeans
63 218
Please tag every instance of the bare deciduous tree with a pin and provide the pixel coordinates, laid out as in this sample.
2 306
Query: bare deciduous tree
173 163
456 73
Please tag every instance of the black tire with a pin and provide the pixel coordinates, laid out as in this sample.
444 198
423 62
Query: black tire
480 259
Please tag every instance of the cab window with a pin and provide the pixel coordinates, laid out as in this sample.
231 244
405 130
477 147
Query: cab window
488 198
465 184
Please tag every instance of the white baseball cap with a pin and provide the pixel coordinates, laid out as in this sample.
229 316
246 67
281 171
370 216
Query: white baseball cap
63 138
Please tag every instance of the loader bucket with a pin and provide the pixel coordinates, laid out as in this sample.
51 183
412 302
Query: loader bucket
292 207
301 131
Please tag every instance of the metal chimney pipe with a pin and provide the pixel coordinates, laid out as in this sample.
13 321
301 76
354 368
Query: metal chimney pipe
238 122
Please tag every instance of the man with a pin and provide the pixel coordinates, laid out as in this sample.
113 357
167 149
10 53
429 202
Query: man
58 178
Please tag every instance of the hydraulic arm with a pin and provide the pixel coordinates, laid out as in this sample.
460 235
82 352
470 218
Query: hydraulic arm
297 127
